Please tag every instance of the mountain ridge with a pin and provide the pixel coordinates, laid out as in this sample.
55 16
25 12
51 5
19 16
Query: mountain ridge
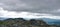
47 20
20 22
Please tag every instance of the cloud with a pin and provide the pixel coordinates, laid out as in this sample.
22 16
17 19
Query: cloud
45 8
29 15
14 5
36 6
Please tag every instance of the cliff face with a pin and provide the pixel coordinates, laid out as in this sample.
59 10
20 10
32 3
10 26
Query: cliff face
20 22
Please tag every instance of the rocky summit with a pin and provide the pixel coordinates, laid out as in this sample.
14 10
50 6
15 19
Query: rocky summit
20 22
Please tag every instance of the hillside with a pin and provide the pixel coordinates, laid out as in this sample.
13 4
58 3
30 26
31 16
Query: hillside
20 22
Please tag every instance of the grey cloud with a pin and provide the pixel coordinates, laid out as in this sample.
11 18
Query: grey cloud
13 5
37 6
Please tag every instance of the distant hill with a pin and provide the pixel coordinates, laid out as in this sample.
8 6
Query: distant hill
51 21
2 18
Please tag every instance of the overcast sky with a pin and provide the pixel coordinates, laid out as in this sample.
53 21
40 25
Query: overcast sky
46 8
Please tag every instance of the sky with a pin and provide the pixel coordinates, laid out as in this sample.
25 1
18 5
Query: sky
30 8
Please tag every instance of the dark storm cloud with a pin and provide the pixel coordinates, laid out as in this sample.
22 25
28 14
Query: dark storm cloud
37 6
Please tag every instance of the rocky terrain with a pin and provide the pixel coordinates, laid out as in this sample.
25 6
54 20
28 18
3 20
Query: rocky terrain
20 22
